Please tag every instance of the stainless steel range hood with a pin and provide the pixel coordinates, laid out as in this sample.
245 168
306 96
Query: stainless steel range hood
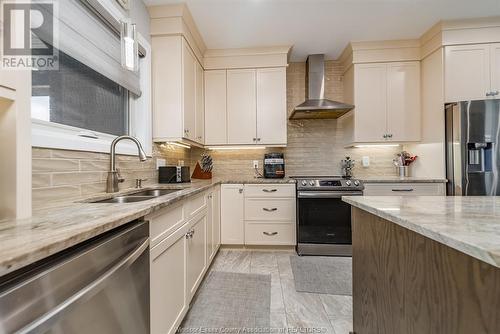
316 106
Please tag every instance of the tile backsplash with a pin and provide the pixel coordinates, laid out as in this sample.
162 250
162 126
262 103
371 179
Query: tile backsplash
315 147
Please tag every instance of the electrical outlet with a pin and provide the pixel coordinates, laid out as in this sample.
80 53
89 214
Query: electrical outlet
256 164
160 163
365 161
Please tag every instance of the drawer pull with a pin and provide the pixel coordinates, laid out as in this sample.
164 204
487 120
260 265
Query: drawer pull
270 233
407 190
270 209
269 190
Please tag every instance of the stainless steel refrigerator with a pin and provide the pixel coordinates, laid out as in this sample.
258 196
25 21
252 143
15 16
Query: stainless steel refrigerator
472 148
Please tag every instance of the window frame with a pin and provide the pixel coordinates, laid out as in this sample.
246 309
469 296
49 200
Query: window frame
58 136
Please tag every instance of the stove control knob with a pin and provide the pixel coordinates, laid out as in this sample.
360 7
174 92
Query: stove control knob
304 183
356 183
348 183
311 183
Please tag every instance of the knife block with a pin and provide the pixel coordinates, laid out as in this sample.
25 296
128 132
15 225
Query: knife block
198 173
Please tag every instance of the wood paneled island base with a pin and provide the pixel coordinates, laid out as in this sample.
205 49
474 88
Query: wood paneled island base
404 283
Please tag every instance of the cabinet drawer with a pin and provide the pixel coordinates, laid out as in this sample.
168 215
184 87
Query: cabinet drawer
270 190
404 189
282 209
269 234
196 204
165 222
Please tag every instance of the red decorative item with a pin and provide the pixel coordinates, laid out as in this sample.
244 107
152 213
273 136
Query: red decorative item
198 173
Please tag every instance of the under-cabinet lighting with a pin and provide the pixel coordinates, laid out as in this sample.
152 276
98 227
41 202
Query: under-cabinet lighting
213 148
376 145
178 144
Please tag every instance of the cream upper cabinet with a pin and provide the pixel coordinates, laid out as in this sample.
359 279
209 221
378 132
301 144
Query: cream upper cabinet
467 72
495 70
215 108
199 104
177 91
232 214
370 99
271 106
241 106
387 102
403 101
189 91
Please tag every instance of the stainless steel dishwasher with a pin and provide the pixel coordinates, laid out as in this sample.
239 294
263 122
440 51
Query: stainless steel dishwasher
99 286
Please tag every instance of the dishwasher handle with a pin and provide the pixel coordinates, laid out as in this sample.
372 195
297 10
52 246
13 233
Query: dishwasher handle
44 322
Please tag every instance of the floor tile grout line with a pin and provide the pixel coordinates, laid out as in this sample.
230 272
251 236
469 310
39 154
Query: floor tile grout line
282 293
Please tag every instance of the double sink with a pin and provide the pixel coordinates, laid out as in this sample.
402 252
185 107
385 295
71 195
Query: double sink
139 196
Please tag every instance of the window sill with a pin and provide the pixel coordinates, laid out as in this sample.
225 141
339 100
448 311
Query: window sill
57 136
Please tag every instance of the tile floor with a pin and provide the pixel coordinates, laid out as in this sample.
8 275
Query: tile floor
289 308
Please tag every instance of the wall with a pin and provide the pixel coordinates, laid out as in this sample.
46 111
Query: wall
62 176
315 147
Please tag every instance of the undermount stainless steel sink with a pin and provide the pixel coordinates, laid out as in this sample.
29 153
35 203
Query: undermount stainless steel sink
154 192
125 199
138 196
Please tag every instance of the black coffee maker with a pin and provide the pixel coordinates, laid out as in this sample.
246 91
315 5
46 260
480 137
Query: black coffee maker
274 165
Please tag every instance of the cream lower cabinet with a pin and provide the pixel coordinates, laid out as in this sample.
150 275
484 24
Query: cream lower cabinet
232 206
213 222
404 189
178 257
387 102
472 72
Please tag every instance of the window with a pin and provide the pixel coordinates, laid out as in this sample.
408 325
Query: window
78 96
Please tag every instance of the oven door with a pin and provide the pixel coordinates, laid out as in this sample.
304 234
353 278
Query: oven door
323 218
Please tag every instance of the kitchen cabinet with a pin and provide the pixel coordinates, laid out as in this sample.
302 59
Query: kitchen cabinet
241 106
232 211
215 108
246 107
199 104
169 302
178 103
472 72
270 214
213 222
179 256
196 253
404 189
387 102
271 106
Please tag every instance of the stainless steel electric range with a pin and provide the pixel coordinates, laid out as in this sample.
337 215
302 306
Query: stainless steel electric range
323 219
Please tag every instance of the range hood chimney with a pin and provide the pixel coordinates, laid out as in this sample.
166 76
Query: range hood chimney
315 105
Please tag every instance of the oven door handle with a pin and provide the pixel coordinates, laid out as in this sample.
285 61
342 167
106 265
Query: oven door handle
327 194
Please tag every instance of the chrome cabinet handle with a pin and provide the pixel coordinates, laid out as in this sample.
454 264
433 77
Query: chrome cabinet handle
407 190
240 190
489 94
389 135
269 190
270 234
270 209
495 93
258 139
189 234
254 139
385 136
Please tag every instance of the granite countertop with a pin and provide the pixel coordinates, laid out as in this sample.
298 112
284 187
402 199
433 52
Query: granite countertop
397 179
470 225
49 231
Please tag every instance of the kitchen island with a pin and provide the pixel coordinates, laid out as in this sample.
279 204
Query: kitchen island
426 264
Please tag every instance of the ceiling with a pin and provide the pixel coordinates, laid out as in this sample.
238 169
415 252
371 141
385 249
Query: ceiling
322 26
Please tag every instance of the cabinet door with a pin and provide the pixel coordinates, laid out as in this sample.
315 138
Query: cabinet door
189 91
215 107
232 225
200 105
216 219
495 69
271 106
196 253
168 291
467 72
403 101
210 226
241 107
370 96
